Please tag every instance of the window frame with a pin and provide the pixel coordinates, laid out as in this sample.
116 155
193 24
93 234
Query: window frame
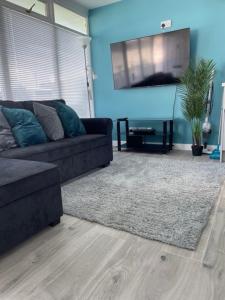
22 10
72 11
50 16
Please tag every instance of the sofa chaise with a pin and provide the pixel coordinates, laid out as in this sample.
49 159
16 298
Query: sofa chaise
30 199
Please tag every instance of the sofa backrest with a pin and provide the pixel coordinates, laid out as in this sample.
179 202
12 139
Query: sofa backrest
27 104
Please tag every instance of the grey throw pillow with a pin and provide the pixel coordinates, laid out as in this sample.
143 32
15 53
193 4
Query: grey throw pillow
50 121
7 140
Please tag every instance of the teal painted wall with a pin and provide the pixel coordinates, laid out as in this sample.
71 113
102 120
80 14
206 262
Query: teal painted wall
136 18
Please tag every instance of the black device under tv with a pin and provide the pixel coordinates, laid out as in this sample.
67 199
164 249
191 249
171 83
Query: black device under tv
142 131
152 60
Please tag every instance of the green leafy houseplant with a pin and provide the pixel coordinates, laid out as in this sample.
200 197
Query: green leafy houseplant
195 85
196 127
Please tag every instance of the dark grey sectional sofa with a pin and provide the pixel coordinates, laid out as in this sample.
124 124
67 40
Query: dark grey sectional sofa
30 194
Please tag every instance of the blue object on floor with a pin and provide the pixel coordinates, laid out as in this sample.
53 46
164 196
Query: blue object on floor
216 153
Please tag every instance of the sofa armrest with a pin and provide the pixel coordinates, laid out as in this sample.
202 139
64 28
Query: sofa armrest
98 126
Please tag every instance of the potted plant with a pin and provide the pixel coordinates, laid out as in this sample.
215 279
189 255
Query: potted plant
195 85
196 127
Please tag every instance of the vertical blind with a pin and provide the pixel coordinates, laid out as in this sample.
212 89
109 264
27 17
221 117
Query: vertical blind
39 61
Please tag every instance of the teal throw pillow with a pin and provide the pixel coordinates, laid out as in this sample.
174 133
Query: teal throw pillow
25 127
72 124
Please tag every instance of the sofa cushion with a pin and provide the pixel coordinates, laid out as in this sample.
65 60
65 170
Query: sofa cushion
49 119
29 104
7 140
72 124
25 127
11 104
53 151
20 178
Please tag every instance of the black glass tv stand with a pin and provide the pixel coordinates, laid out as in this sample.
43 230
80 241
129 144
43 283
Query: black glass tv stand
139 139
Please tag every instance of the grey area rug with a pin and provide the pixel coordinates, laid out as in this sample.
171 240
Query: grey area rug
155 197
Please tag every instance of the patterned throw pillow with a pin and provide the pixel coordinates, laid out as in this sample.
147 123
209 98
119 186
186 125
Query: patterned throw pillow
49 120
7 140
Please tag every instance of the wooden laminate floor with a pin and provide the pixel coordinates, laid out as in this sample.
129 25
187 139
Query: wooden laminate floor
83 260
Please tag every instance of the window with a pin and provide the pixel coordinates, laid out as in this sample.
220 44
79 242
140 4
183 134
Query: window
72 73
39 7
39 61
54 13
70 19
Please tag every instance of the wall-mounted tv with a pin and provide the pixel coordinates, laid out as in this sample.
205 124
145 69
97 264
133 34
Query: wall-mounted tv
153 60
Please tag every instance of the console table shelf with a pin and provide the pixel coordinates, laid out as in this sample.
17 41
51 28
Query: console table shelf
137 142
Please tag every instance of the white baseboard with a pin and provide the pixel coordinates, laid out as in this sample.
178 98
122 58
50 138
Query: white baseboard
187 147
115 143
184 147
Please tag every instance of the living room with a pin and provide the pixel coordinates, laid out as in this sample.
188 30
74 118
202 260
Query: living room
111 149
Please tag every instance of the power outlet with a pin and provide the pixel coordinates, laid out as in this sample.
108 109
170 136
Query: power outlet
166 24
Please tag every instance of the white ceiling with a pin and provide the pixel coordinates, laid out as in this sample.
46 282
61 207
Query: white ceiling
90 4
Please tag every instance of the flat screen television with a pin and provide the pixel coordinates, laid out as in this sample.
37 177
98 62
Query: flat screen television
151 61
